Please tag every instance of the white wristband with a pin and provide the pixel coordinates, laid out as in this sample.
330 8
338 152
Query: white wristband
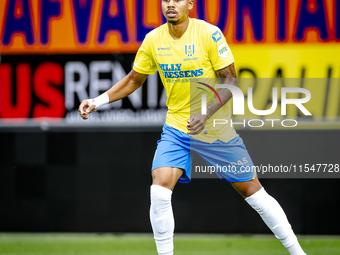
99 101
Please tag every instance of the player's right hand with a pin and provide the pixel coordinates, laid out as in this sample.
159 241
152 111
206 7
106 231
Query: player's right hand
85 108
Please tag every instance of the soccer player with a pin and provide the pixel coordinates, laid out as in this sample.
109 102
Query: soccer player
181 49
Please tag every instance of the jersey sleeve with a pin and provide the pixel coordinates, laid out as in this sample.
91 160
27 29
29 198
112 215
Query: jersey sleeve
218 50
144 62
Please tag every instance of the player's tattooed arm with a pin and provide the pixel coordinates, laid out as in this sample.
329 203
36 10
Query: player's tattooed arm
197 121
227 76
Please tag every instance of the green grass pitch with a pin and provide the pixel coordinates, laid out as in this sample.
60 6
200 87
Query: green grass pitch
134 244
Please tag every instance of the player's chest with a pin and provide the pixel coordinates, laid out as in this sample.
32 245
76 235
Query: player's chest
180 56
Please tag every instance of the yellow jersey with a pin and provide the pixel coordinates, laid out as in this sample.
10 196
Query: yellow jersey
200 52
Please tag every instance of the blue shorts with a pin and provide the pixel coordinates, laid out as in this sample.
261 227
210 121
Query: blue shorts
228 160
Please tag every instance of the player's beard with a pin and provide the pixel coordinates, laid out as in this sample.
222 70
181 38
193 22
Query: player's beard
173 22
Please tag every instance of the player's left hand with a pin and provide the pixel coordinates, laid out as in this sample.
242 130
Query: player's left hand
196 123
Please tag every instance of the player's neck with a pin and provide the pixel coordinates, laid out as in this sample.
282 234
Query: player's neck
176 31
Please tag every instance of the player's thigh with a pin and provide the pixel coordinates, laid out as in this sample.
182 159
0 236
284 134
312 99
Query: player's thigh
172 155
229 160
247 188
166 177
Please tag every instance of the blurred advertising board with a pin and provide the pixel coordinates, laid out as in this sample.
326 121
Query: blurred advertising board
55 53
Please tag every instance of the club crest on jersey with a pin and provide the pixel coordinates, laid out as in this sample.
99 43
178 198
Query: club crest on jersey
189 50
216 36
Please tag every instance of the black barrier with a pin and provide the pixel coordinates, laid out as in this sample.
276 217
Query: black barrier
99 181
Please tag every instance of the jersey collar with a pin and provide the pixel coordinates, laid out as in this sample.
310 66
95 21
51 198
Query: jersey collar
183 36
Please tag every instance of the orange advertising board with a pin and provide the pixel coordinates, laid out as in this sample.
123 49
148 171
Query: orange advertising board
103 26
